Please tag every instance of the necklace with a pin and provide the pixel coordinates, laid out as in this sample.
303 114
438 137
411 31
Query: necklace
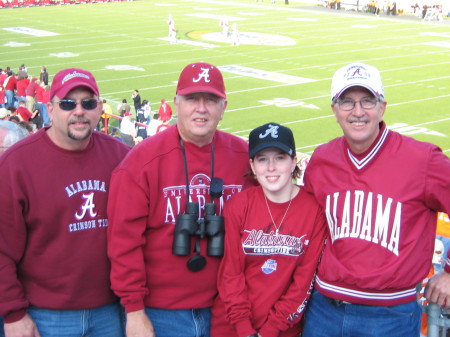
271 217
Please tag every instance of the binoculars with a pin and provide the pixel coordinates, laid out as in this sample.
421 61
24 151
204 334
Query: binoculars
189 224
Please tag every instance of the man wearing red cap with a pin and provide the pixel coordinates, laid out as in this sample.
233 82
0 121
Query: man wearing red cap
165 276
54 270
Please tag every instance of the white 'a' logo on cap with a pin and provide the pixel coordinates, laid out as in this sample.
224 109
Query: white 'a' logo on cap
204 74
272 130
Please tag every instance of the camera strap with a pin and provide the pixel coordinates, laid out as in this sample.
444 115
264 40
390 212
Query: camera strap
197 262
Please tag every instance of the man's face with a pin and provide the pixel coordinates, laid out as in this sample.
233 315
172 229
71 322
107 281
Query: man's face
360 125
198 116
72 129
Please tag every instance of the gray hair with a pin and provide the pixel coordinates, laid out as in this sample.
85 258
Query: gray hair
14 133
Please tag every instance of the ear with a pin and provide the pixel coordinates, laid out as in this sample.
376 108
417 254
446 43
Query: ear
225 104
50 110
294 163
382 110
334 108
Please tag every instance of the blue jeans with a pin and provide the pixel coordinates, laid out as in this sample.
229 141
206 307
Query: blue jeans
326 319
9 95
2 332
98 322
180 323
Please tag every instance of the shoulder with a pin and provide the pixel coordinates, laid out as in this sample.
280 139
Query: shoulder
243 198
153 147
410 147
111 142
228 140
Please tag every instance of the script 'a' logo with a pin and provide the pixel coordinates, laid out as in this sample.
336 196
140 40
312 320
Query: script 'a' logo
204 74
272 130
88 206
357 72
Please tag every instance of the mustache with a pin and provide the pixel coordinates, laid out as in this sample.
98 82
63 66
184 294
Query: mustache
79 119
358 119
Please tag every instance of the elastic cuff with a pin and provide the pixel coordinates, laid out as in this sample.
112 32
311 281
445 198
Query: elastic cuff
15 316
134 306
244 328
268 330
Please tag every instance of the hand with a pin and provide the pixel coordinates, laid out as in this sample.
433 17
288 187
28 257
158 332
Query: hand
25 327
139 325
438 289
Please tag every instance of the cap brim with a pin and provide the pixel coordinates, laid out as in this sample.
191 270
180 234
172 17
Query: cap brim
355 85
194 89
266 145
61 93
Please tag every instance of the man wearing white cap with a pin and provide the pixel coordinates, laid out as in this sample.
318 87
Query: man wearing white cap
380 191
164 254
54 270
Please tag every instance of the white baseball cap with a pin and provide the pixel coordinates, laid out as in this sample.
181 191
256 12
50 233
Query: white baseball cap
357 74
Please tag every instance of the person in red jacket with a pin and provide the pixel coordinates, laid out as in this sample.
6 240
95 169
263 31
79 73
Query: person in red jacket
31 94
381 192
21 87
274 237
165 111
54 270
10 88
164 261
23 113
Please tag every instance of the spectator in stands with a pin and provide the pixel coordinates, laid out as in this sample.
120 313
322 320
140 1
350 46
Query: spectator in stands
10 133
43 76
136 100
21 88
31 94
2 97
127 129
154 124
54 269
106 115
164 125
23 71
381 191
10 88
147 108
165 111
42 99
24 114
3 76
116 133
4 113
141 128
123 107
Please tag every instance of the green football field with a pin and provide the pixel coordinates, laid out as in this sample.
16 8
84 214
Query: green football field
281 71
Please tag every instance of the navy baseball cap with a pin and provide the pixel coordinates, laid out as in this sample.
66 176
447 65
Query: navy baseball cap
271 135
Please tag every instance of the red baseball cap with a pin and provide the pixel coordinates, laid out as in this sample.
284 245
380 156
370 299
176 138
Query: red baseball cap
201 77
70 78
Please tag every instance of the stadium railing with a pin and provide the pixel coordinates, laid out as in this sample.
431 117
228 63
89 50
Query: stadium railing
438 320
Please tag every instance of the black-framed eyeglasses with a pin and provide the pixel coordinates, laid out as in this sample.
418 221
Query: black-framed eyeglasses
70 104
365 102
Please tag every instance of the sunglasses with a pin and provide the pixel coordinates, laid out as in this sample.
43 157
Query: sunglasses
70 104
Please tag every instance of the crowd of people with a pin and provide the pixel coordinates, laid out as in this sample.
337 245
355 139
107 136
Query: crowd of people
33 3
24 99
196 232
